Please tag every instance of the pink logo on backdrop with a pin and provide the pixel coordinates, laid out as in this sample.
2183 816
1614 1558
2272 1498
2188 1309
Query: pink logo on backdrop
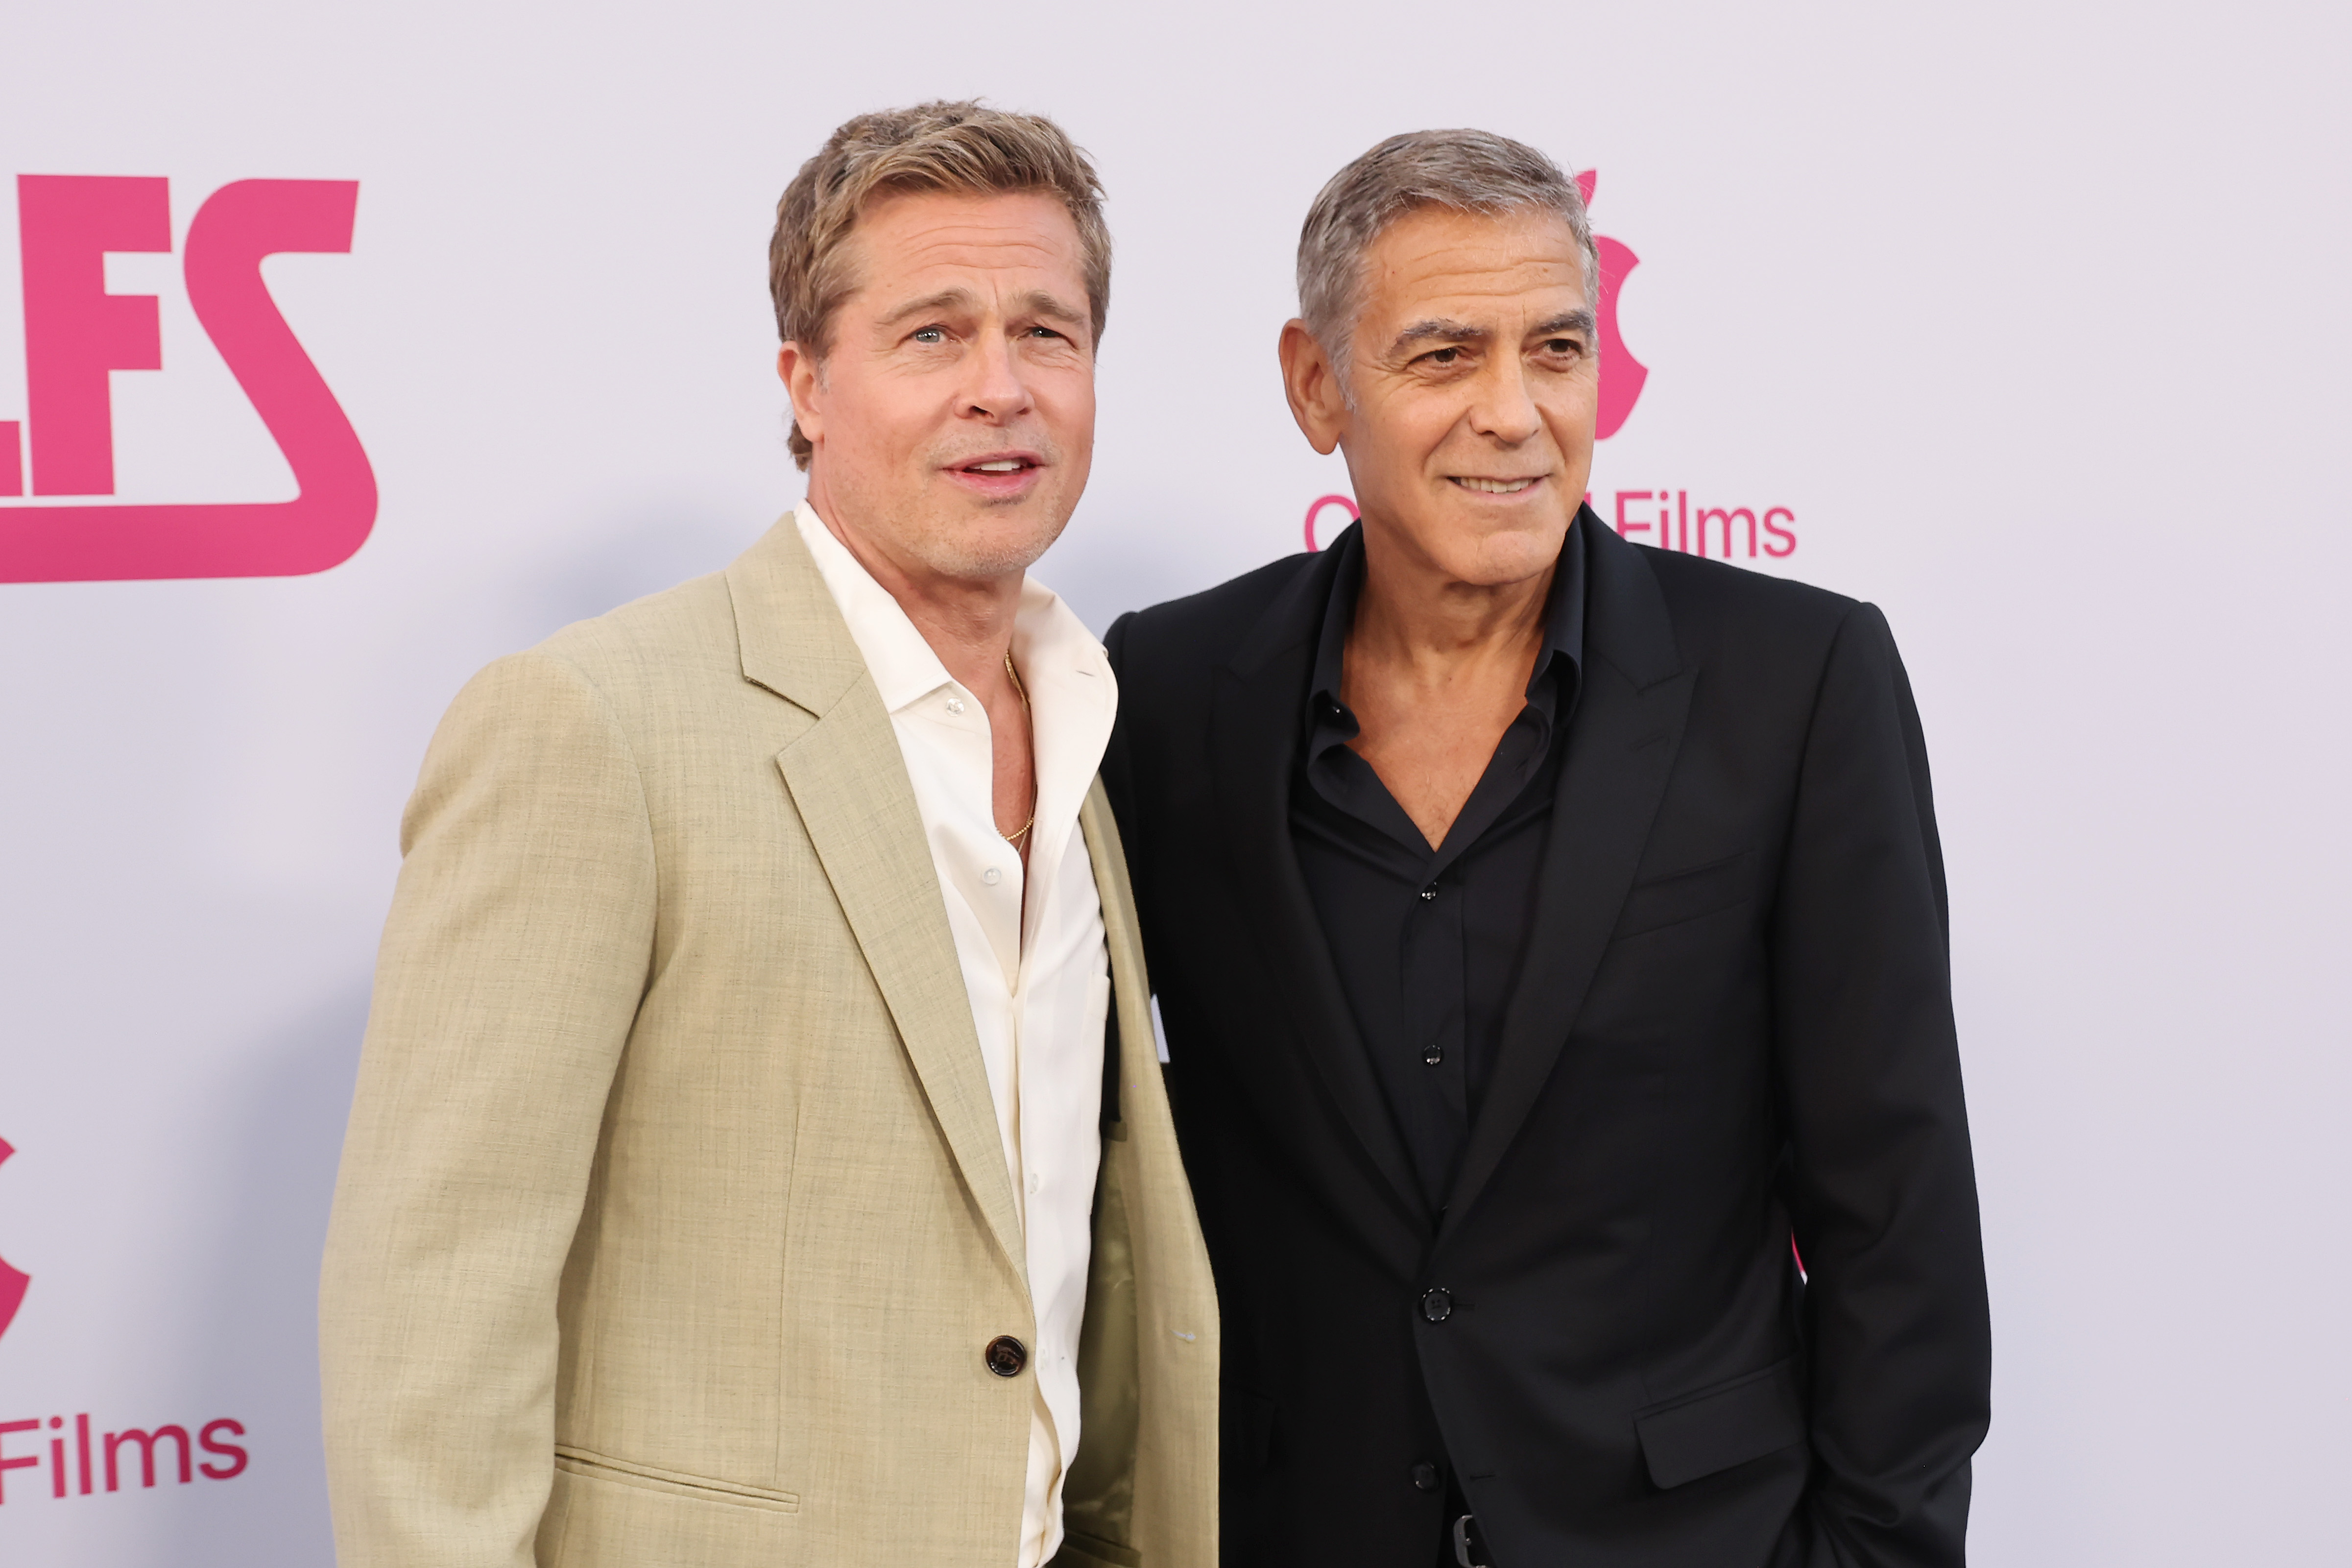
1621 374
77 334
80 1459
11 1280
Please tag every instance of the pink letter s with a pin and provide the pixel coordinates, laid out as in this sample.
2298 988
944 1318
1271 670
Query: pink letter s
329 520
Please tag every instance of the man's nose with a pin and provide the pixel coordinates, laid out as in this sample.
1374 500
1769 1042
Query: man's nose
996 390
1505 407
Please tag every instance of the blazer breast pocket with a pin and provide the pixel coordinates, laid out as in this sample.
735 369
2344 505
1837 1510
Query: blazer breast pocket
1685 895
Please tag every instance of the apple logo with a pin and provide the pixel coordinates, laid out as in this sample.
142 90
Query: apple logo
12 1282
1621 374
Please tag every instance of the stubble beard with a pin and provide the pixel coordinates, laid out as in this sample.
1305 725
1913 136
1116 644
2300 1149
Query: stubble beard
986 542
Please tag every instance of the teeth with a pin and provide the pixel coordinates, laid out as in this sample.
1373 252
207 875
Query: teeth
1494 487
1007 466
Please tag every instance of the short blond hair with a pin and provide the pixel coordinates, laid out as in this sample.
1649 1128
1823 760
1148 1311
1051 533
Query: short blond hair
965 148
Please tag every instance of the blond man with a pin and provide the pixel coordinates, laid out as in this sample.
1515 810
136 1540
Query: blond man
760 1155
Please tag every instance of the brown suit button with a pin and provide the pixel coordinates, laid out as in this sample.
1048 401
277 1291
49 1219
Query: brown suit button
1007 1355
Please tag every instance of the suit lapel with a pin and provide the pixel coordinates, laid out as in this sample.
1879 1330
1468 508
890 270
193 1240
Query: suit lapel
1254 728
1623 741
850 781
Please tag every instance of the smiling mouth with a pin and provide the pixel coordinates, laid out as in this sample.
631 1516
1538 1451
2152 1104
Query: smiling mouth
1491 487
997 465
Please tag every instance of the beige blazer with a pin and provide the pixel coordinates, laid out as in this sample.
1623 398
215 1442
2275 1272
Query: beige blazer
674 1222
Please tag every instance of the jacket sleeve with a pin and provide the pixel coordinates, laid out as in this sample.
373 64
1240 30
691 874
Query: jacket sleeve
511 968
1881 1187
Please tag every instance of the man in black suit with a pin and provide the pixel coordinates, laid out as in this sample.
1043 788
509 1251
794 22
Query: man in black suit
1549 932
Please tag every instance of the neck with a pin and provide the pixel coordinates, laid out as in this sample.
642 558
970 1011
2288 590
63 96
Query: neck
1413 616
967 621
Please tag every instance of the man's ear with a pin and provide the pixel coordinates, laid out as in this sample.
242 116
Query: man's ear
797 368
1312 384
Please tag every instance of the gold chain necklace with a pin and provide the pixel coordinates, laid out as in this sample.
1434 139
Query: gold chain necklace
1016 837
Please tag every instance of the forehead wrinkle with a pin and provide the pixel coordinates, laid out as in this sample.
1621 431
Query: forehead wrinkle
935 239
1436 269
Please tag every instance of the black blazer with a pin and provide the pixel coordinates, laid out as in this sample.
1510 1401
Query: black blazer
1733 1027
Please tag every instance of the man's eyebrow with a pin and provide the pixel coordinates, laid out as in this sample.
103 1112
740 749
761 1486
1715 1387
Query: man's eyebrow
1438 330
1054 308
945 300
1576 320
1036 303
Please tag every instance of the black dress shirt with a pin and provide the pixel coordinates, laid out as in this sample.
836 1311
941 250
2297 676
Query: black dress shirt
1428 942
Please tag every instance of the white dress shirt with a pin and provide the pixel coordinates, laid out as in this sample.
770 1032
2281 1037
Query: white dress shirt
1040 986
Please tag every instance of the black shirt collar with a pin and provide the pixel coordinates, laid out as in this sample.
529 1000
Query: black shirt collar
1551 687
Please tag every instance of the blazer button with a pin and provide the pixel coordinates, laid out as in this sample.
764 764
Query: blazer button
1425 1476
1437 1305
1007 1356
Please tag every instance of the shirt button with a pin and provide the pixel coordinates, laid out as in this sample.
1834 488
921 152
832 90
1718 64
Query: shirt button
992 876
1429 892
1433 1054
1425 1476
1007 1356
1033 1181
1437 1305
955 704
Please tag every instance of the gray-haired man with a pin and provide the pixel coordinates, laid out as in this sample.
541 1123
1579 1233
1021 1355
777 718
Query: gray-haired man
1548 929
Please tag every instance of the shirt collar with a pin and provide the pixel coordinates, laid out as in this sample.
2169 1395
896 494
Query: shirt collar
1558 664
904 668
1074 695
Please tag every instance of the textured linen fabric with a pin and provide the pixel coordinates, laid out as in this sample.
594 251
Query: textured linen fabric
674 1219
1035 967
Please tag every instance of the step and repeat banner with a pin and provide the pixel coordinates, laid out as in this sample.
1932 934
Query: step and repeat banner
342 351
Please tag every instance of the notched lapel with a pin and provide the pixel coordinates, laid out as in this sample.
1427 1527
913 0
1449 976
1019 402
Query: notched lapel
1623 742
849 782
788 630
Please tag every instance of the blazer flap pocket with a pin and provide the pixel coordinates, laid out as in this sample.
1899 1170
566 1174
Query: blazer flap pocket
1747 1419
1681 895
597 1466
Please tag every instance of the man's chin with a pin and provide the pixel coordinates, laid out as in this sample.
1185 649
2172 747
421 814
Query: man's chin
1475 552
990 543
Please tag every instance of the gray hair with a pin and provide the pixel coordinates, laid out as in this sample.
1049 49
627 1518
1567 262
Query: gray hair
1462 171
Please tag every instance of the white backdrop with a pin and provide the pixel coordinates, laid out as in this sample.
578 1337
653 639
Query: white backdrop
2034 316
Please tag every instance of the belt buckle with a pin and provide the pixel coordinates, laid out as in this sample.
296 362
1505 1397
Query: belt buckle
1468 1551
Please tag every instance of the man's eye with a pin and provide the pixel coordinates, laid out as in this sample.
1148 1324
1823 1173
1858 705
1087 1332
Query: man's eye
930 334
1446 356
1564 346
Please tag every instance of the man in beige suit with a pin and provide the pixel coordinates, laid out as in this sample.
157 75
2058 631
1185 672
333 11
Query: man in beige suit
760 1155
